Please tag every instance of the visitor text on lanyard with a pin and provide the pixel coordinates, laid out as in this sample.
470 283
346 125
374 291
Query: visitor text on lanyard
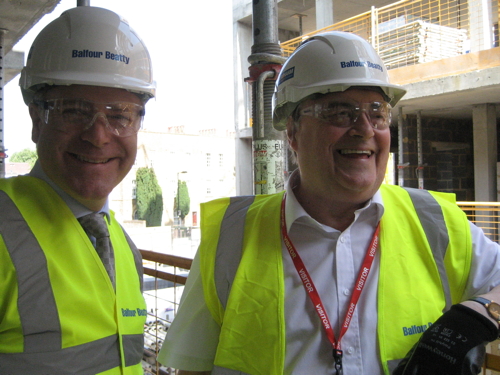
314 295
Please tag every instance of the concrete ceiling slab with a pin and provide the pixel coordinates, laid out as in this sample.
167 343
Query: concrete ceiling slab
17 17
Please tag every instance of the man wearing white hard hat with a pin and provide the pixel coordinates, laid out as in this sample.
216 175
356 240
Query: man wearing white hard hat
338 274
70 296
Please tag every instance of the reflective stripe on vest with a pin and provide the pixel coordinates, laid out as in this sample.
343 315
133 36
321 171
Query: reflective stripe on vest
230 245
217 370
68 361
33 291
229 248
42 334
431 217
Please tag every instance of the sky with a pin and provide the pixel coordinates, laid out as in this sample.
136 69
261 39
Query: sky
190 43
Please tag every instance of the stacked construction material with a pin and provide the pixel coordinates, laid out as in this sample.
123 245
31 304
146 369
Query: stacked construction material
419 42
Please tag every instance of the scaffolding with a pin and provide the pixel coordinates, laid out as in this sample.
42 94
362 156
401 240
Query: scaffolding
410 32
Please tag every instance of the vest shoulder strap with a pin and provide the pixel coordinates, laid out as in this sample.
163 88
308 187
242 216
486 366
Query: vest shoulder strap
431 217
230 245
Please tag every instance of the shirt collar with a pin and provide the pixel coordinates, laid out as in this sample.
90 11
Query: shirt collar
76 207
294 211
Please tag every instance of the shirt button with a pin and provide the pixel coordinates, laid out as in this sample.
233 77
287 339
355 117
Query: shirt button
350 350
341 239
346 292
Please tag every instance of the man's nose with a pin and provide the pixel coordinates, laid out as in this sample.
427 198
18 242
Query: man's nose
97 131
98 116
362 126
364 116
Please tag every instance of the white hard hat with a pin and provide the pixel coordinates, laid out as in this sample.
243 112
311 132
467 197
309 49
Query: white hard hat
88 46
329 62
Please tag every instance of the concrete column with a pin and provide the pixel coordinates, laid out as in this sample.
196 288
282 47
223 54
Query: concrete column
324 13
485 152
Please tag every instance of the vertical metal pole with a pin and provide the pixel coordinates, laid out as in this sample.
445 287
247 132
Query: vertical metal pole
266 61
260 101
420 155
401 179
268 143
2 73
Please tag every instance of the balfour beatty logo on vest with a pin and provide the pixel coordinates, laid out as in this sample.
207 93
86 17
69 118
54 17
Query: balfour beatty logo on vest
98 54
132 313
414 329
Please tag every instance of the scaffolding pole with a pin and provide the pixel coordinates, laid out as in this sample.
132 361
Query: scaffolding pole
401 166
420 168
269 150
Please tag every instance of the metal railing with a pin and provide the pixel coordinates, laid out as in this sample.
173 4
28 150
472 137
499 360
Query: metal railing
165 276
409 32
164 279
485 215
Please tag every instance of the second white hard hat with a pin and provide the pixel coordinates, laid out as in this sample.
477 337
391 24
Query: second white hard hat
329 62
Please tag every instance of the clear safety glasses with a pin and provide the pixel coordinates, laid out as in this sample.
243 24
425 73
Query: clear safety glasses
122 118
345 113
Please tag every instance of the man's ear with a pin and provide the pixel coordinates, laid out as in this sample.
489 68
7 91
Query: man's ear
36 121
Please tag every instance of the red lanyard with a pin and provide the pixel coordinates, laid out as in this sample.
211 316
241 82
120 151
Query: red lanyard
314 295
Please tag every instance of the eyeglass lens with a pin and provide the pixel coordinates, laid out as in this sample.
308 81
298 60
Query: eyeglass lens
344 114
121 118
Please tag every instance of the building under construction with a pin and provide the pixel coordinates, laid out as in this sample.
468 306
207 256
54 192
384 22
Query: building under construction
445 53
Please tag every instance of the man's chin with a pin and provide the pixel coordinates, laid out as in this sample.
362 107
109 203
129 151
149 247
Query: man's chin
90 196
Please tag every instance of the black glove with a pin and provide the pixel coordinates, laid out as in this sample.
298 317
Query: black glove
453 345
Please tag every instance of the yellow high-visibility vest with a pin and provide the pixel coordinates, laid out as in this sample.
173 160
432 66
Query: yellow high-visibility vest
59 313
425 258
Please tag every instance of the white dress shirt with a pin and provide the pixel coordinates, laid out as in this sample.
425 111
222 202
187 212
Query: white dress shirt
333 259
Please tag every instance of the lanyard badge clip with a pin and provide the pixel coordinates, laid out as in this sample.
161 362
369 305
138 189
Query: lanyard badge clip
337 356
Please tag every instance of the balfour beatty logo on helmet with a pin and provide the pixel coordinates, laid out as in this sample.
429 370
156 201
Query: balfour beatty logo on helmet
98 54
360 64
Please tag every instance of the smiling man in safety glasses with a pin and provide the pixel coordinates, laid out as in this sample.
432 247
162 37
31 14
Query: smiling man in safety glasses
70 295
339 274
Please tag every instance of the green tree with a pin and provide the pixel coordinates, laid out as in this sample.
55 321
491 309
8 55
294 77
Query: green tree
24 156
183 205
149 197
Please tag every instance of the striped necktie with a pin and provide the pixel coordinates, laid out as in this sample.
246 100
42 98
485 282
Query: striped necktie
95 225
